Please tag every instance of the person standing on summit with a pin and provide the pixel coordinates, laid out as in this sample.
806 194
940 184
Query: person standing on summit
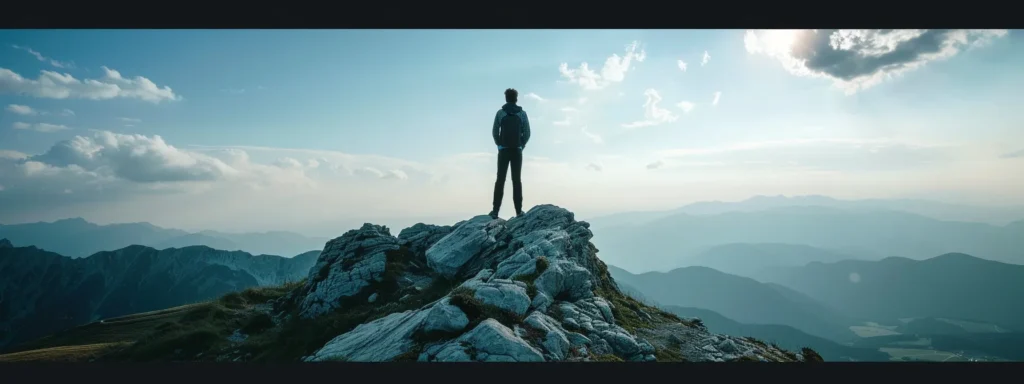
511 132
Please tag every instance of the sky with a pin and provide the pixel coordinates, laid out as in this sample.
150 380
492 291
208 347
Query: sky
315 131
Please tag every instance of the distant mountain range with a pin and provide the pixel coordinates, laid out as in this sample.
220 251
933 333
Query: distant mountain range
739 298
953 307
941 211
673 240
42 292
751 260
79 238
953 285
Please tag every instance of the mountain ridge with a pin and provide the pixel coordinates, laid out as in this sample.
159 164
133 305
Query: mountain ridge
44 291
670 241
951 285
740 298
77 237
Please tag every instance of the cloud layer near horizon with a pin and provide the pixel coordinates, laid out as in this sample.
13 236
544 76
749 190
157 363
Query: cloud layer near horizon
145 178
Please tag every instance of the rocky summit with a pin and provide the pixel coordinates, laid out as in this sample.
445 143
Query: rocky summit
529 289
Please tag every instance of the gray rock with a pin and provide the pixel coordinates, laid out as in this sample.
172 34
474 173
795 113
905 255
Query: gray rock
346 266
600 347
418 238
520 263
444 317
450 353
645 347
555 341
372 297
550 244
471 239
621 342
494 342
606 309
379 340
563 278
505 294
576 340
728 346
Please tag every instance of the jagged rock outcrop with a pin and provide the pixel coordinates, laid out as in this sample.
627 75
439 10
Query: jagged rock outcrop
527 289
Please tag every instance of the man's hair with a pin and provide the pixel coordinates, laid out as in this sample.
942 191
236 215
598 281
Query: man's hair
511 95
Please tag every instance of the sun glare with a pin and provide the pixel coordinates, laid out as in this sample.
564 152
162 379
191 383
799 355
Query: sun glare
779 40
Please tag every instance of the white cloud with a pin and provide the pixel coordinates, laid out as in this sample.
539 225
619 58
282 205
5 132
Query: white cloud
613 71
21 109
134 158
653 114
718 95
594 167
111 85
534 96
129 120
682 65
395 174
234 91
29 111
581 101
12 155
592 136
40 57
570 109
705 59
313 163
686 106
39 127
655 165
562 123
859 59
287 162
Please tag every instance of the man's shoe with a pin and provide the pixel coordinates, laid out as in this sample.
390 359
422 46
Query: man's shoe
493 214
520 214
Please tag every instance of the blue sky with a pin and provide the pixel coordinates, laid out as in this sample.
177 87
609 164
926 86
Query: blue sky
320 126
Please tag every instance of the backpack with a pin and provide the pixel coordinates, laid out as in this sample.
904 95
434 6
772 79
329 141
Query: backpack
511 129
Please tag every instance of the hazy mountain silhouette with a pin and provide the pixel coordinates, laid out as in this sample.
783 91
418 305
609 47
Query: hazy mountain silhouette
43 292
932 209
739 298
952 285
79 238
750 260
669 241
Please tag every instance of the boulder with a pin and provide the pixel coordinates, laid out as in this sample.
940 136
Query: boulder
346 266
488 342
471 239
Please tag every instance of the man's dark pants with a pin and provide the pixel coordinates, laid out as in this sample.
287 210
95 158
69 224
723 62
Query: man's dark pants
513 156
